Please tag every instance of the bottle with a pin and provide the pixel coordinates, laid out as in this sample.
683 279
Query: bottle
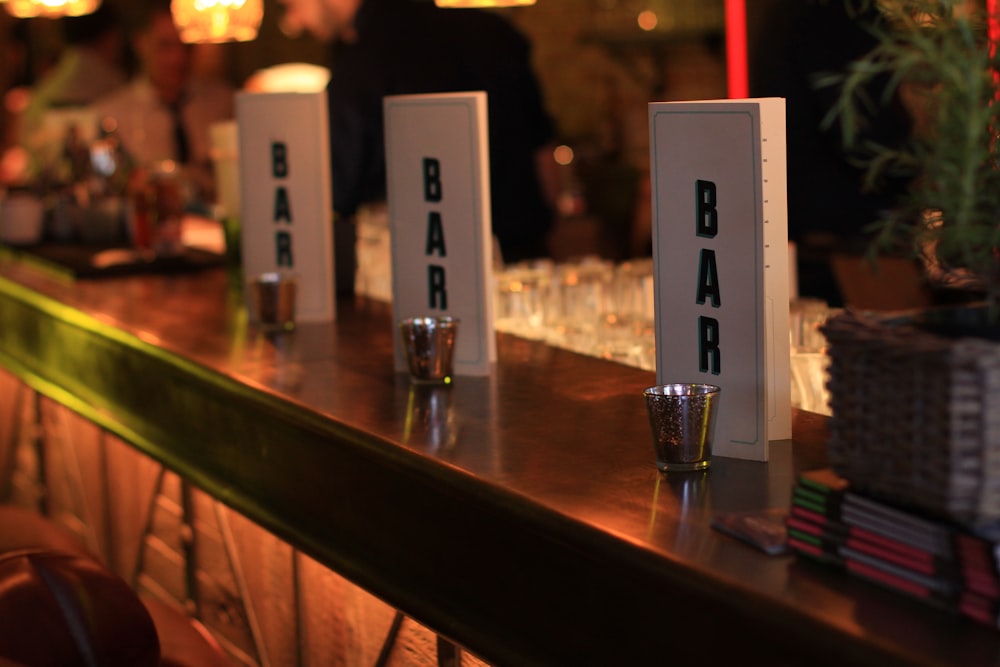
109 158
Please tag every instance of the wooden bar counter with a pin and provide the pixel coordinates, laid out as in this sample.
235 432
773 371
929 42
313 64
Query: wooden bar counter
519 515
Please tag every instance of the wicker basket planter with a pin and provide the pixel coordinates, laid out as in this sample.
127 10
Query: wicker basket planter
916 416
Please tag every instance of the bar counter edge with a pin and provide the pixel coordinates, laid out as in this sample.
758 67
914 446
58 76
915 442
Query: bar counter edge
517 582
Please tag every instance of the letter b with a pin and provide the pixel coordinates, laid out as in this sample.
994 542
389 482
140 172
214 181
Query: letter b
279 159
708 217
432 179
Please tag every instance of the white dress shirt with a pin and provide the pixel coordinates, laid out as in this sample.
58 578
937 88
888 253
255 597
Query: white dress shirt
146 125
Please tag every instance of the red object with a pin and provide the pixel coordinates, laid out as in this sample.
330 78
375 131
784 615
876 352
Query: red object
58 608
994 23
993 30
737 70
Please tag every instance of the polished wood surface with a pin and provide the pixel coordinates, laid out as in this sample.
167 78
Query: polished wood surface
520 515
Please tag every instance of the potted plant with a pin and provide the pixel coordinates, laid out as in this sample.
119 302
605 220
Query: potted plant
916 414
935 55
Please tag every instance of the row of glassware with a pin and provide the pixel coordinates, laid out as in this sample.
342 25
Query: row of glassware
598 308
591 306
601 309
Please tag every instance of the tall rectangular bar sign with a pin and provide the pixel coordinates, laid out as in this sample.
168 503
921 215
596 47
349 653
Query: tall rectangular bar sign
438 178
286 196
720 248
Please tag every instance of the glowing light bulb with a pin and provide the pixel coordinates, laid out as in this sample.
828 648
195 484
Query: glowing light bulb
49 8
212 21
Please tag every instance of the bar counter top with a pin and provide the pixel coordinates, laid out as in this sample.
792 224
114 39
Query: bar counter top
519 515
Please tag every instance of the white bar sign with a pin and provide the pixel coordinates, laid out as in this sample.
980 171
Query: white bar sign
437 161
286 195
720 247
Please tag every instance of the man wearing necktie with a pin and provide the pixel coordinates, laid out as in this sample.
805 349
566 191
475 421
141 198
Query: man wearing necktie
394 47
163 113
182 148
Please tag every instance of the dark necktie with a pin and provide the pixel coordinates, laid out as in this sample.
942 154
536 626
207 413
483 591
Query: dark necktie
180 135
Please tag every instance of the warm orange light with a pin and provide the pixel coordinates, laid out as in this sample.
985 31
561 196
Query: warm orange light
647 20
563 155
25 9
288 78
483 3
212 21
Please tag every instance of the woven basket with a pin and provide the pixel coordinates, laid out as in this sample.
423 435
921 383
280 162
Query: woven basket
916 416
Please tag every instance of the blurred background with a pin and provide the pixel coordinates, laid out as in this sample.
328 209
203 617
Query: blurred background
599 61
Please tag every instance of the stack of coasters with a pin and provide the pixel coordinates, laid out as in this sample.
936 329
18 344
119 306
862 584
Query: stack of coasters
934 561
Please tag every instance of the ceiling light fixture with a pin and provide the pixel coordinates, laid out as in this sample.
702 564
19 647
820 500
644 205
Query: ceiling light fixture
213 21
26 9
483 3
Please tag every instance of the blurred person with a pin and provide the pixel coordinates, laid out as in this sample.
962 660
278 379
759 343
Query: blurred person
394 47
830 206
13 76
14 87
89 67
164 113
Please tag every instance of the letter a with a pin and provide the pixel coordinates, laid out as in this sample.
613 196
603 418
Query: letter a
282 207
708 279
435 235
